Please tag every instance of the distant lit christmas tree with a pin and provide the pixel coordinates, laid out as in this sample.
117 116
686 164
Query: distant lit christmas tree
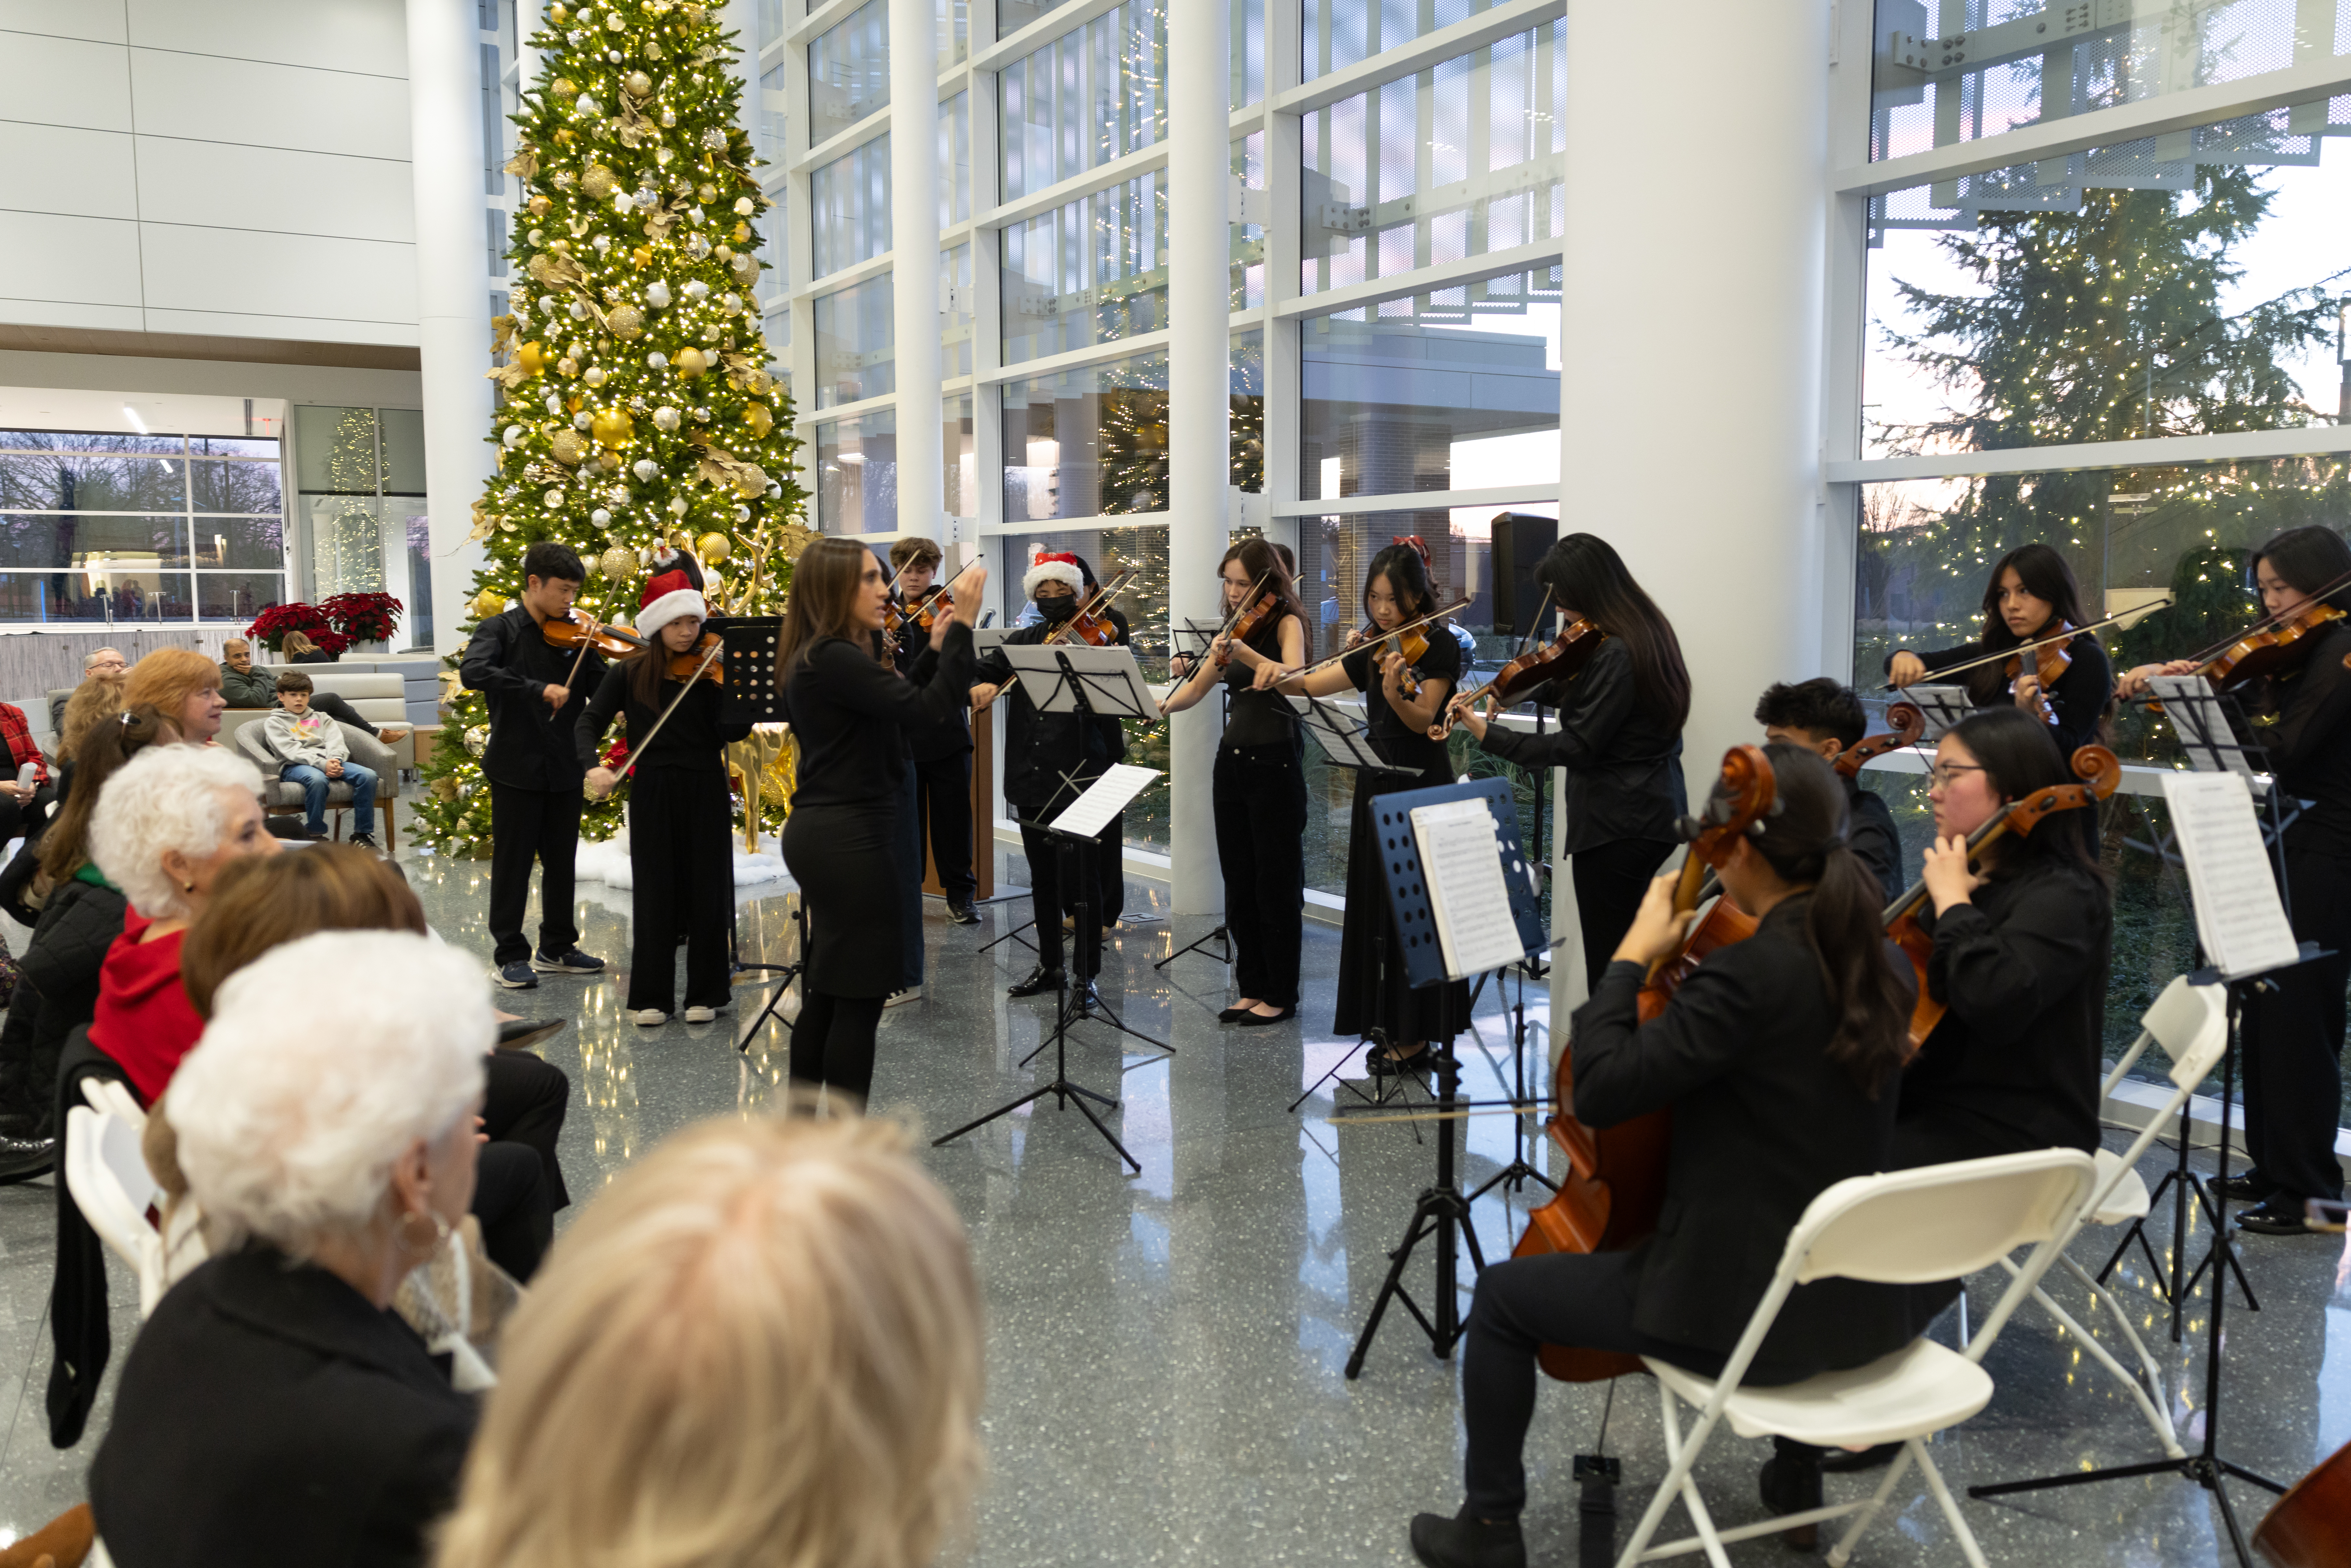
639 409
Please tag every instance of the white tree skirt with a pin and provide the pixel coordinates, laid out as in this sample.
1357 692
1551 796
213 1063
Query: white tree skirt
608 862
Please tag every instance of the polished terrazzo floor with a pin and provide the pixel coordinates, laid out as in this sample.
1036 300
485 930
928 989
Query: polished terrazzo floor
1167 1351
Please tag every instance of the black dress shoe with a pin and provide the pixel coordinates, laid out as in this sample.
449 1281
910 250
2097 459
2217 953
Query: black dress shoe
1382 1065
1232 1015
1791 1483
2280 1214
1266 1021
1084 1001
960 911
2246 1187
1869 1459
1040 980
21 1159
521 1034
1466 1542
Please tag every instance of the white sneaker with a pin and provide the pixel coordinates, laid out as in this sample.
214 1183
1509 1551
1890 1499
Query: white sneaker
898 999
649 1018
701 1015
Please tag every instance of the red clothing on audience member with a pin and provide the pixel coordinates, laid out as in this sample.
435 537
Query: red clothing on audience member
144 1019
18 733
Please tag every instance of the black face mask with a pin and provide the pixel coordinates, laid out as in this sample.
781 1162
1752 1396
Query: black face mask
1058 607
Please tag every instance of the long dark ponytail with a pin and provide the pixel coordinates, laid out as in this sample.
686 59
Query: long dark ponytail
1586 575
1804 842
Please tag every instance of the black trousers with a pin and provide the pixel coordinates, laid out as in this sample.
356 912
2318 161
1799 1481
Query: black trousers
907 854
524 1100
1611 880
2293 1039
1047 897
527 825
1259 798
683 865
832 1042
943 799
512 1206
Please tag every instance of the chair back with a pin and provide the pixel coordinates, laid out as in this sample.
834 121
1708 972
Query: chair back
109 1183
255 746
1937 1222
2191 1023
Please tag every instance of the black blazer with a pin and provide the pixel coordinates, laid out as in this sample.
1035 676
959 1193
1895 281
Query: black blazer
2015 1064
1869 831
269 1416
510 662
1764 1122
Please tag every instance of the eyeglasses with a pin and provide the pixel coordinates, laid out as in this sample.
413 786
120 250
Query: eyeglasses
1943 774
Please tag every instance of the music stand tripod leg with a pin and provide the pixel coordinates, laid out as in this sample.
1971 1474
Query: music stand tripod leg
787 974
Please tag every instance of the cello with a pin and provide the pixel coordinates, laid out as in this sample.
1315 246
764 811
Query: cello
1910 723
2097 765
1615 1180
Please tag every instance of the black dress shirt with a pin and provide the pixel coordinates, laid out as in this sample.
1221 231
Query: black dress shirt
2014 1065
2309 741
269 1416
1870 829
531 746
1040 748
851 713
1623 761
1764 1122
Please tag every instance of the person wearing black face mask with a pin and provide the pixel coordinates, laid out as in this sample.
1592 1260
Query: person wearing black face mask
1048 757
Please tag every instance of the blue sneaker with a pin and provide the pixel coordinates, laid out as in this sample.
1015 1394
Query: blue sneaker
515 977
573 963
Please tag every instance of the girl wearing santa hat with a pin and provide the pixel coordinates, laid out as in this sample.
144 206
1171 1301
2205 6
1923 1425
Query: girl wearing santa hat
681 856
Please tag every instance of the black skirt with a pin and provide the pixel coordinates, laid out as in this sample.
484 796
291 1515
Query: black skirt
845 859
1374 992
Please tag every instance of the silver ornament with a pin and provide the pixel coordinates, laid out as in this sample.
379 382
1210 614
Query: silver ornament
697 291
513 435
588 108
600 516
656 360
619 495
553 497
554 404
578 311
595 376
646 468
677 507
665 418
657 295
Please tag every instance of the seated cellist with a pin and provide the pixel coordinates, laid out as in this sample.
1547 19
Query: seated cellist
1779 1056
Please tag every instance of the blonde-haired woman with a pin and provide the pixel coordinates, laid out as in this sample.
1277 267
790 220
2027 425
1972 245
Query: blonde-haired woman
272 1412
760 1345
849 708
185 687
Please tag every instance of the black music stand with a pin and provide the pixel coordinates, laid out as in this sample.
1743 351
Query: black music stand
749 694
1216 933
1414 894
1942 706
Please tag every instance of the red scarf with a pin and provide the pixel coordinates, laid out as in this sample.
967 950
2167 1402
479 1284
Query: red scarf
144 1019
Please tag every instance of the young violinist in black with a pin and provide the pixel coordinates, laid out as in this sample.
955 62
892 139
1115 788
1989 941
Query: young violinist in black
1048 760
681 854
2020 959
1779 1056
849 711
2293 1027
942 756
1824 717
2032 595
1260 784
1619 740
1376 997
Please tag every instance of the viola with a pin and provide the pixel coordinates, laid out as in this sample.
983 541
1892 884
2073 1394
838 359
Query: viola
2101 768
2049 663
1910 723
1557 660
1615 1180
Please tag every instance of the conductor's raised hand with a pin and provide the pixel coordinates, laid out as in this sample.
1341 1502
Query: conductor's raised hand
1656 932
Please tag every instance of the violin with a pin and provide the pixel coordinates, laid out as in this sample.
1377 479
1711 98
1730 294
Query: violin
924 613
1248 622
2277 648
620 643
1092 624
1410 638
2049 663
689 664
2101 768
1615 1180
1557 660
1910 723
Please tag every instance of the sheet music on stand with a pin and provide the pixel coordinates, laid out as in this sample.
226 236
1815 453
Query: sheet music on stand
1056 675
1467 900
2200 717
1090 812
1943 706
1347 741
2240 919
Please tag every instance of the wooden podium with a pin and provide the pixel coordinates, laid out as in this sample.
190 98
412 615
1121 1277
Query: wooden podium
983 813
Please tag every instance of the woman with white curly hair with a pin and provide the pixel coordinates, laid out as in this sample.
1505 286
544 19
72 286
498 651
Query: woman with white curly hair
162 828
760 1345
272 1411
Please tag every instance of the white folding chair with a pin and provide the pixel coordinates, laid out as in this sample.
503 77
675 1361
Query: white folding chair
2191 1025
111 1185
1916 1226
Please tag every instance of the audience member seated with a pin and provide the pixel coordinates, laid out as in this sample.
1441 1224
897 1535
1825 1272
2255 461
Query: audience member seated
300 650
761 1344
311 751
97 662
273 1412
246 687
185 687
25 792
262 903
162 829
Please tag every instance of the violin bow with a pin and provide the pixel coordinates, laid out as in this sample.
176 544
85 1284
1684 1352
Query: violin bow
2268 622
637 747
1099 598
1433 616
2122 622
1462 700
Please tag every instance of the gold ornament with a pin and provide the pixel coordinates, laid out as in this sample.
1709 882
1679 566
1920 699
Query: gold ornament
567 366
618 563
562 87
599 182
691 361
532 358
724 253
757 383
757 416
445 787
540 206
568 447
613 427
794 538
625 320
742 233
564 134
641 256
713 548
637 84
751 482
490 603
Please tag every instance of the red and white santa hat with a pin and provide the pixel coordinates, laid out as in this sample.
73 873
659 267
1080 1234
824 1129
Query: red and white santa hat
1057 566
671 594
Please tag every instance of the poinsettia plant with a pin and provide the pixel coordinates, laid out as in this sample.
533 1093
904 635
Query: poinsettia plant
362 617
269 627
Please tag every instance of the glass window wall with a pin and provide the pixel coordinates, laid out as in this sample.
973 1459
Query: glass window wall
1087 443
1089 96
954 160
849 72
1089 272
856 342
857 474
849 204
1342 33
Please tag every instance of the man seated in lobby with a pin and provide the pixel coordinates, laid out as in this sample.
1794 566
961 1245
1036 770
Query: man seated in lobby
247 687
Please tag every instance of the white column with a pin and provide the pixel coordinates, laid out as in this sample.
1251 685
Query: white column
914 281
452 289
1198 412
1718 518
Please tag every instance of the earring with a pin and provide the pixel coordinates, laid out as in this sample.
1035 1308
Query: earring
187 887
411 1240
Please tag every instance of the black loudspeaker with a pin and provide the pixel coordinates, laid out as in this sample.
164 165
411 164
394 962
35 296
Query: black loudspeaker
1518 543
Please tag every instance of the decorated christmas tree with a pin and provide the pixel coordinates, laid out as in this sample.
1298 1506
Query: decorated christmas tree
638 410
